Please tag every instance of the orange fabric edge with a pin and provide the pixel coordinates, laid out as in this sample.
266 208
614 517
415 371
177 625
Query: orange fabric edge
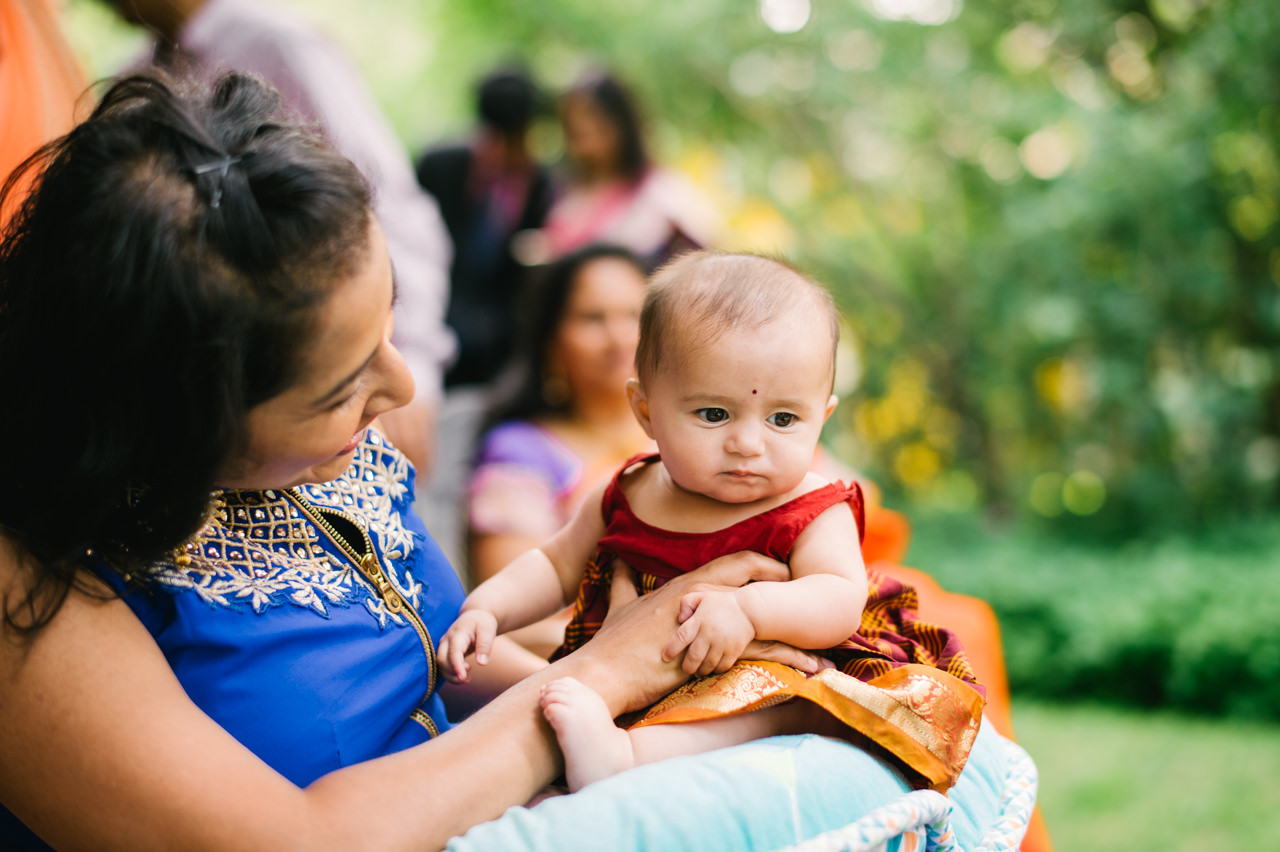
886 713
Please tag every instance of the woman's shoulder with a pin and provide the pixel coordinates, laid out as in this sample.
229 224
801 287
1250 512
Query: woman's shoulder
27 591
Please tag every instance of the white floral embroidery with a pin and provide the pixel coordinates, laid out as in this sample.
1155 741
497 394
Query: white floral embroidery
378 609
260 550
314 585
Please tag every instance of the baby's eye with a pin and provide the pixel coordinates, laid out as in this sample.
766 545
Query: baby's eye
782 419
712 415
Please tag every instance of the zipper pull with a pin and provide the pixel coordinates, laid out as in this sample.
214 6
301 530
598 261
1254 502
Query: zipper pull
369 565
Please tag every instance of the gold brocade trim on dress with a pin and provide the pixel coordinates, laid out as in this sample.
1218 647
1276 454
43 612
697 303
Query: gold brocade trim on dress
260 549
921 715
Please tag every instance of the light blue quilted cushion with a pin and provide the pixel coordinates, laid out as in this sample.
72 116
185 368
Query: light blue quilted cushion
765 795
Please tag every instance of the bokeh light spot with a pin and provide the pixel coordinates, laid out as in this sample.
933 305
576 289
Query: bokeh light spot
854 50
1046 494
1262 459
1046 153
928 12
916 464
1175 14
784 16
1083 493
752 74
999 158
1024 48
1252 216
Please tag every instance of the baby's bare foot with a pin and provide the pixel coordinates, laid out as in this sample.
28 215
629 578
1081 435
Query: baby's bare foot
594 747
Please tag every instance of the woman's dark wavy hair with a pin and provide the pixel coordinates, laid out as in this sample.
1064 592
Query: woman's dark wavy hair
159 281
616 103
518 392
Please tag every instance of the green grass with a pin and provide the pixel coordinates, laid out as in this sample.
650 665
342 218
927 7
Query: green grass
1180 622
1115 779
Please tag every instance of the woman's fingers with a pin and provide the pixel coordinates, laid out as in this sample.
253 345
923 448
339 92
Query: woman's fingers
781 652
738 569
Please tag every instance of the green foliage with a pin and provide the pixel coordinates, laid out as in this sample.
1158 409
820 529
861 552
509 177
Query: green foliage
1191 624
1052 226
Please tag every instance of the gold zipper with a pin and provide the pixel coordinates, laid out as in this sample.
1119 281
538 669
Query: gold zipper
425 721
372 571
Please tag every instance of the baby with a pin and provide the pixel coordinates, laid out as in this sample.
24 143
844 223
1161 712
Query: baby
735 370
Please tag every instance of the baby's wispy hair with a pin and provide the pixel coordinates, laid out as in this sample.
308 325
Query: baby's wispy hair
709 292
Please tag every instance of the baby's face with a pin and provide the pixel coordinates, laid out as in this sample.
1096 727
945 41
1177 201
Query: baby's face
738 420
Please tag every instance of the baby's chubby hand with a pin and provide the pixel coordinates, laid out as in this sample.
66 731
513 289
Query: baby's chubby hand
474 629
713 633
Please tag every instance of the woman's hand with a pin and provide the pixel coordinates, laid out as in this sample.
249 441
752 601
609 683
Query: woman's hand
636 631
738 569
735 570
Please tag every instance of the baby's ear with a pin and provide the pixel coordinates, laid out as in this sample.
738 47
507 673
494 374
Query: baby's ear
831 406
639 405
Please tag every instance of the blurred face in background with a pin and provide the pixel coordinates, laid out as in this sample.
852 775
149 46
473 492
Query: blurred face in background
590 139
594 348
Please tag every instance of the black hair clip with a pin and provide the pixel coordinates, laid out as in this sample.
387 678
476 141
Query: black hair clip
221 166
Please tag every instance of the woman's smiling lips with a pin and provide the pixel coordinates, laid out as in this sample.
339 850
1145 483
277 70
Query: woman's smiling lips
355 440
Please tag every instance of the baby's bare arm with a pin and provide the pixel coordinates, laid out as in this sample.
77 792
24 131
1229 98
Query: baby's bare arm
534 585
822 604
539 582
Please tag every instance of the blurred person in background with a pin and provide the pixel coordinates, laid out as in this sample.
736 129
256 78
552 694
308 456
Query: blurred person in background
559 423
319 82
612 191
488 188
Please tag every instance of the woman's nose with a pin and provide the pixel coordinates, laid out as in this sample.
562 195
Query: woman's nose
395 387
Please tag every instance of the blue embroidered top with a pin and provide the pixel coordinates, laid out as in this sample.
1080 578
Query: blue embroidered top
304 621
